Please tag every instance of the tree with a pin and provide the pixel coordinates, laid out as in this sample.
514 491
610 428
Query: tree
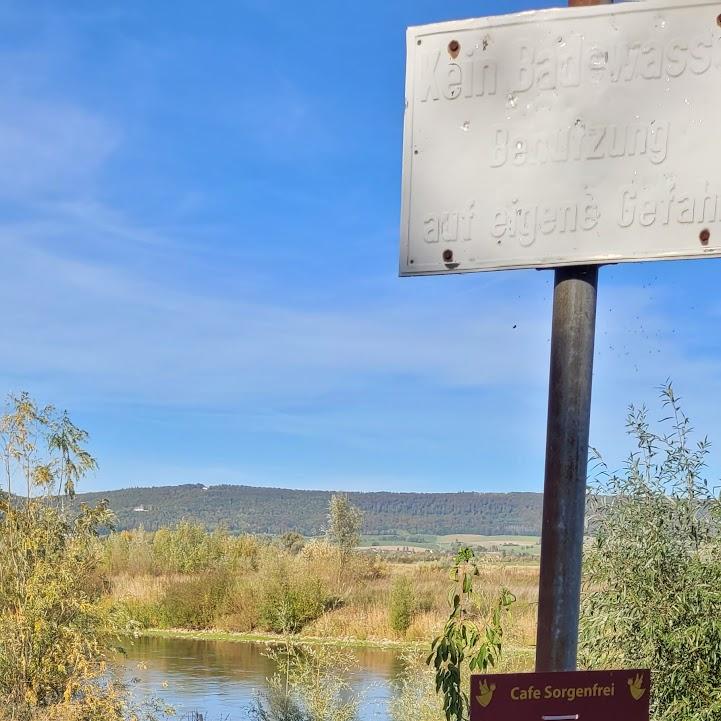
402 604
344 524
54 635
652 591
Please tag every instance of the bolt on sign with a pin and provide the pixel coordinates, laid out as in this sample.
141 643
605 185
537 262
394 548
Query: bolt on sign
566 696
563 137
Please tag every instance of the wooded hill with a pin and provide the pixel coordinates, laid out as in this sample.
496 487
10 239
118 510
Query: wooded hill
246 509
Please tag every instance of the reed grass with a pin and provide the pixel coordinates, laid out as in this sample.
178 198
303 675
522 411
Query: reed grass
315 591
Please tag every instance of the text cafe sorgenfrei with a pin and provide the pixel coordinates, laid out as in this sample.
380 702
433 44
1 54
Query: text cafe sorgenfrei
582 695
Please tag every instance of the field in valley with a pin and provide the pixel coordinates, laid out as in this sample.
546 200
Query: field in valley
503 545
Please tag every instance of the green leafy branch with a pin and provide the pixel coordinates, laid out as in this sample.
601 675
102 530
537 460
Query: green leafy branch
463 641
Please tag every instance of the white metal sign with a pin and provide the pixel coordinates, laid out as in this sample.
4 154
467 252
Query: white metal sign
563 137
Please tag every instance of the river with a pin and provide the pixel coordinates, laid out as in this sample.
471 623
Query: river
220 679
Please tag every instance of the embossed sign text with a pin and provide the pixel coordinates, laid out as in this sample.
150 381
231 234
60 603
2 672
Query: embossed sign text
558 137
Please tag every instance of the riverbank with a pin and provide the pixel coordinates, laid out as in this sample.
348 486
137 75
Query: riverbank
514 658
272 639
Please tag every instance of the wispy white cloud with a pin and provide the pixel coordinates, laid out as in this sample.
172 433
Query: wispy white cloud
47 148
172 345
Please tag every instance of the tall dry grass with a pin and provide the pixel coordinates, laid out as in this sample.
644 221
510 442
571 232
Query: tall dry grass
365 616
264 587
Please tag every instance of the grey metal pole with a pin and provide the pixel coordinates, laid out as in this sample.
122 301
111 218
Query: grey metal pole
564 499
564 489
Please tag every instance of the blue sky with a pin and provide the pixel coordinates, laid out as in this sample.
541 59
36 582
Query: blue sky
199 211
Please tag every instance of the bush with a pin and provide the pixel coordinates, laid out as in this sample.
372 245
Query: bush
652 595
242 553
129 551
402 605
194 602
183 549
289 598
311 684
240 612
143 613
292 542
287 606
414 692
188 548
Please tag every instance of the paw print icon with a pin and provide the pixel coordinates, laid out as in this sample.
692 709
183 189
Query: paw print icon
485 693
635 686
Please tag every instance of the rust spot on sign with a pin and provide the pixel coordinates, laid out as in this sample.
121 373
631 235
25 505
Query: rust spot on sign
448 255
718 20
454 47
704 236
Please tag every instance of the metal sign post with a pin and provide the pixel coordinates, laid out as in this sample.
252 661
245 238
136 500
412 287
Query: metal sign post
573 333
564 492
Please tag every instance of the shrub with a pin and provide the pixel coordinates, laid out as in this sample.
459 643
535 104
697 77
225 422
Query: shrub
240 612
292 542
146 614
242 553
321 558
311 684
194 602
402 605
289 598
287 606
129 551
414 692
652 594
188 548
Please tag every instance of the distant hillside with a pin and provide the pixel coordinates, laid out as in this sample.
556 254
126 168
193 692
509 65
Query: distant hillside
246 509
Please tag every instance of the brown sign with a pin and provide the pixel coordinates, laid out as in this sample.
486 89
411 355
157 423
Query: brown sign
566 696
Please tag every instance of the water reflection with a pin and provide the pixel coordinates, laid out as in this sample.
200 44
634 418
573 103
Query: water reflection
221 678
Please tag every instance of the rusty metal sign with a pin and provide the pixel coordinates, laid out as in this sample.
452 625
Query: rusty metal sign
563 137
567 696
